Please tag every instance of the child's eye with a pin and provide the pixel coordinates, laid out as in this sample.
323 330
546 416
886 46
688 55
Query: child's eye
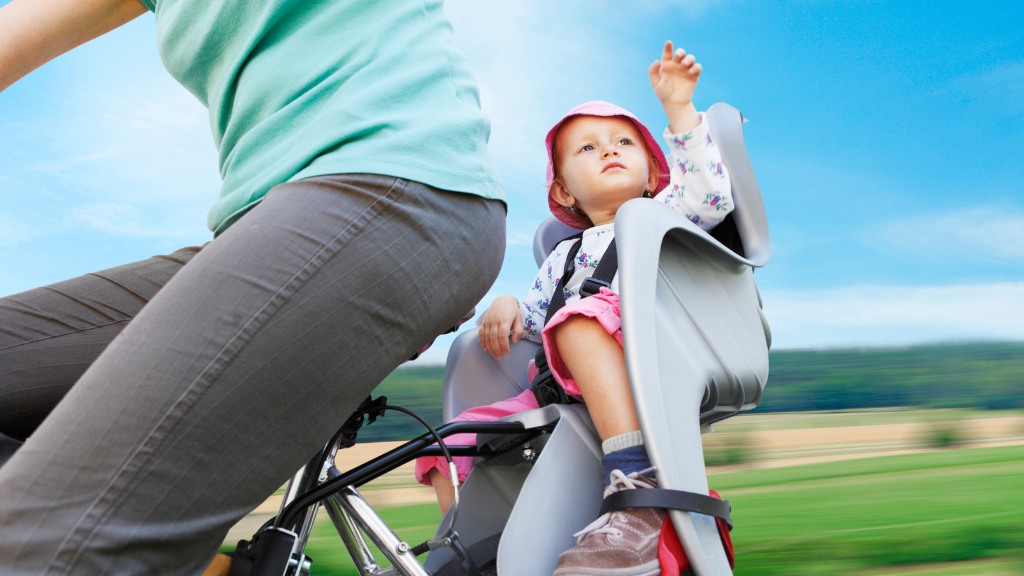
587 148
625 141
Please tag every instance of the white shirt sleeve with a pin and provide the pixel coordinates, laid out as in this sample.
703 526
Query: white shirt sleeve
700 188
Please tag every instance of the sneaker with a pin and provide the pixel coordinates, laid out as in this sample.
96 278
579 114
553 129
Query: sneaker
619 543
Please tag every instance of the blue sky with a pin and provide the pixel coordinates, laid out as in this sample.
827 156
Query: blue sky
888 140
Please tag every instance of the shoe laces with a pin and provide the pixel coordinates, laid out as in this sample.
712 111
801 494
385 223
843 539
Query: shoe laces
619 482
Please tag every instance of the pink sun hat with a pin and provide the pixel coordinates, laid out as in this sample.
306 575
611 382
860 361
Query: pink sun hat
600 108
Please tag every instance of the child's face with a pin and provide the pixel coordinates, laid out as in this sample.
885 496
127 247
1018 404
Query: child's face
602 162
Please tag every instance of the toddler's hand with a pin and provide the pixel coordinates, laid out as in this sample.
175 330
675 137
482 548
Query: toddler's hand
675 76
501 326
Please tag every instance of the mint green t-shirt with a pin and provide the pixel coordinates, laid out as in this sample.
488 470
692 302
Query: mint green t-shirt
301 88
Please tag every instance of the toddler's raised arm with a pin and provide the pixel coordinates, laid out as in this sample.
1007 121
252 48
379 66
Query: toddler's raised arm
674 78
700 188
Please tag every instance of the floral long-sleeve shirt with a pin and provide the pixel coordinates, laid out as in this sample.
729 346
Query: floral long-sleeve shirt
699 189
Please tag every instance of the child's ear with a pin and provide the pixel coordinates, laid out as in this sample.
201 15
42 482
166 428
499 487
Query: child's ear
560 194
652 182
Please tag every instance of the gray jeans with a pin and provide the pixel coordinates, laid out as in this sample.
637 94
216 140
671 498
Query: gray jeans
197 383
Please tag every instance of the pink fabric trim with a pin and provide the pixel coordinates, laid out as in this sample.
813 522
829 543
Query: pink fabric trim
463 464
603 307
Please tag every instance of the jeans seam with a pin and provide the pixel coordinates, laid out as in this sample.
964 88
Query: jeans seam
70 333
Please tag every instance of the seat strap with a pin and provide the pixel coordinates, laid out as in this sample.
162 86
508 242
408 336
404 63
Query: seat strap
670 499
558 297
602 277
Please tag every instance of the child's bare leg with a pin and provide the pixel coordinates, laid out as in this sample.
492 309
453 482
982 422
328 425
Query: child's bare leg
598 365
443 490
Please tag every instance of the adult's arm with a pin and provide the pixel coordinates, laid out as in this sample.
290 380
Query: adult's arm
33 32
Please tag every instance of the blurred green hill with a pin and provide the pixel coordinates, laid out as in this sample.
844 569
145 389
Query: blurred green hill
987 376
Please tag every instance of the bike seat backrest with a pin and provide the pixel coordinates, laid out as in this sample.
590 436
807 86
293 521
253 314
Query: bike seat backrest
749 217
696 341
702 280
472 377
550 232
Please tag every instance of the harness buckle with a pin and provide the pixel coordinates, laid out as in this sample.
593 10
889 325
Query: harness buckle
545 388
592 286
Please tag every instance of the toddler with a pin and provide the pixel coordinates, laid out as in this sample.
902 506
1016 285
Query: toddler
599 157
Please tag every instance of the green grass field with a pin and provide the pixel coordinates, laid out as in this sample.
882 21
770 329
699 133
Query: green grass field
898 511
938 513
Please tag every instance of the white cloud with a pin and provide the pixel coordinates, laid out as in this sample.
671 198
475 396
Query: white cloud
692 8
534 61
14 230
895 315
524 66
998 85
982 233
128 221
130 155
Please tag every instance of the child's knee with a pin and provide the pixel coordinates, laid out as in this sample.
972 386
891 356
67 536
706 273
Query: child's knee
574 325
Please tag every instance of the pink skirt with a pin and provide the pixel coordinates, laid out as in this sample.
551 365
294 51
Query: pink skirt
463 464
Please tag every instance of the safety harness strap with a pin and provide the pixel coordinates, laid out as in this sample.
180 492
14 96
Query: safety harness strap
670 499
603 275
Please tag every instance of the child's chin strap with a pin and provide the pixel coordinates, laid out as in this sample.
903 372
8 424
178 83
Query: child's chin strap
546 389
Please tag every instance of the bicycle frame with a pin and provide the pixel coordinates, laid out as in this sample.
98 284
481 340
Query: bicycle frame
321 483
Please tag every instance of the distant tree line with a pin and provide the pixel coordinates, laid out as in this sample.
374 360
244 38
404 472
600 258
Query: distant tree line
986 376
